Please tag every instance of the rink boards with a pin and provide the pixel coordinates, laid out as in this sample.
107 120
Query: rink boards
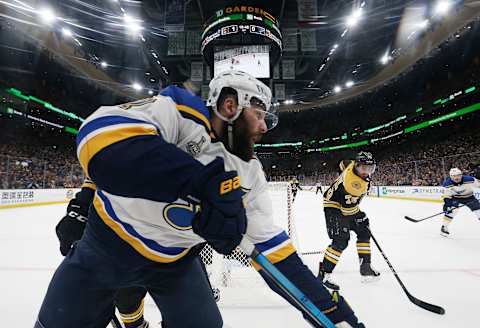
12 198
32 197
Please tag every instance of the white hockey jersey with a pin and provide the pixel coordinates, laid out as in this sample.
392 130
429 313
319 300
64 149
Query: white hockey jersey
161 231
464 189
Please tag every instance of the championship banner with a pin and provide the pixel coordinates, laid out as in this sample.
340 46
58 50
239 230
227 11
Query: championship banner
288 69
204 91
196 71
290 39
280 91
175 12
276 72
309 40
176 44
307 10
193 42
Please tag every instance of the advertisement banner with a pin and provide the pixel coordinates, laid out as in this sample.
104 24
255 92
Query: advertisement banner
432 193
30 197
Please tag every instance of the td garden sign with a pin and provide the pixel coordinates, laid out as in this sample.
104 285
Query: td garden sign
245 9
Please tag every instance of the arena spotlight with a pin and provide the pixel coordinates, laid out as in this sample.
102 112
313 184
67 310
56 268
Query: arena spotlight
66 32
132 24
442 7
337 89
349 84
424 24
385 58
104 64
137 86
354 18
47 15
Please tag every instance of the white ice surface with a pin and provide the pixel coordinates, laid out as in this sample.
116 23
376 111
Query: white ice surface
442 271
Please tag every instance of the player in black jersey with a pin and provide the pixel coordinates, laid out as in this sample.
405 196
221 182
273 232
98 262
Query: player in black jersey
295 185
342 215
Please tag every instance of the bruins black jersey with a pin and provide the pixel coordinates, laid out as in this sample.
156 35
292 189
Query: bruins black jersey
347 191
295 185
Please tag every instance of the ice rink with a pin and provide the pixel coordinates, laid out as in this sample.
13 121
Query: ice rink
442 271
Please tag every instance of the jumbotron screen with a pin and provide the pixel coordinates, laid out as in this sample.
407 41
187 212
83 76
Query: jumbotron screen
252 59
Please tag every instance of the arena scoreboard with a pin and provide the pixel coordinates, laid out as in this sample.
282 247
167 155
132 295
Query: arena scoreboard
239 27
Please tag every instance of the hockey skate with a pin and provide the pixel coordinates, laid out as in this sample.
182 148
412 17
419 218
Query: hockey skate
326 279
368 273
444 231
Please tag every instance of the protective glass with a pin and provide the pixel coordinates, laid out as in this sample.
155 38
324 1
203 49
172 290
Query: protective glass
364 169
270 115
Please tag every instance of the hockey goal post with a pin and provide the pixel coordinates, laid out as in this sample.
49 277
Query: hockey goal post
234 275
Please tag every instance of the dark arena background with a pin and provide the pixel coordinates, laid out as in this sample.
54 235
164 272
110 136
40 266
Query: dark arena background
399 79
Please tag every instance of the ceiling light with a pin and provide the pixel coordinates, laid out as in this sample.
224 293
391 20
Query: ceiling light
349 84
66 32
354 18
132 24
442 7
104 64
150 92
47 15
424 24
137 86
337 89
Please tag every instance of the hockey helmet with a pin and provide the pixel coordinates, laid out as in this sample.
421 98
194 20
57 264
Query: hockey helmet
365 163
250 92
455 171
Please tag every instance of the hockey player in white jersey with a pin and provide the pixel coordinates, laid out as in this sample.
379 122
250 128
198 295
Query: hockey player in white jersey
458 191
146 158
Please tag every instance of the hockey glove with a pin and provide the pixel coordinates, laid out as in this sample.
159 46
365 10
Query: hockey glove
71 226
449 205
222 220
361 220
343 308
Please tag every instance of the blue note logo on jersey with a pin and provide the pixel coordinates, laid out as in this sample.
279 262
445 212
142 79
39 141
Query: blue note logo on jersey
180 216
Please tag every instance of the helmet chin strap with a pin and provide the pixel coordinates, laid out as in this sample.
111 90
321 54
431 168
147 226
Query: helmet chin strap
229 124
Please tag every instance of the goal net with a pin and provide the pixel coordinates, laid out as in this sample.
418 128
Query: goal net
233 275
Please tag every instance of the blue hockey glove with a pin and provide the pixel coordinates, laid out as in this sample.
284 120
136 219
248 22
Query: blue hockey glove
222 220
343 308
449 205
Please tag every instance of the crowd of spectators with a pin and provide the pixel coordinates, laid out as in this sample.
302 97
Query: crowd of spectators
30 161
411 162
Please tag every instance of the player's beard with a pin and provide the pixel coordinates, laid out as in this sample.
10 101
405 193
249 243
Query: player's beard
244 139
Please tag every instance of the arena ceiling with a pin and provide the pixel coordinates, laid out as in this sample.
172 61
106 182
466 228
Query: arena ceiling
134 48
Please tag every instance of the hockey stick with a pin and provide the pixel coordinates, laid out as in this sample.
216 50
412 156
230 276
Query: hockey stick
286 286
424 305
115 322
434 215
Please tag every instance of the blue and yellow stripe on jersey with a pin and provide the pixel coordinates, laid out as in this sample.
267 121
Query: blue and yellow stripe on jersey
107 130
190 106
276 249
146 247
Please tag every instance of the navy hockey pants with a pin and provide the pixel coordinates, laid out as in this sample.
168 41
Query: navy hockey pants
81 293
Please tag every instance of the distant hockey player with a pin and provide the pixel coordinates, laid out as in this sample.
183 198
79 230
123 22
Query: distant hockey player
318 188
295 185
129 301
148 159
343 215
458 190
